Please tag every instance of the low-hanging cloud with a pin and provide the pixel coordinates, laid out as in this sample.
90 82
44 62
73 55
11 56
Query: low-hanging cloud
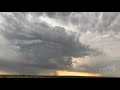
34 42
31 45
100 30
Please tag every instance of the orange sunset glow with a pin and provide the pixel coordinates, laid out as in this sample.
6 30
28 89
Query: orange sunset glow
68 73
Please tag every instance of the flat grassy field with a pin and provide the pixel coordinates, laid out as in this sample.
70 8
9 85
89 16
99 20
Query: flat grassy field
23 76
36 76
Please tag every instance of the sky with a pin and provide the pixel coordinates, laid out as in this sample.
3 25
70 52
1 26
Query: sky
43 42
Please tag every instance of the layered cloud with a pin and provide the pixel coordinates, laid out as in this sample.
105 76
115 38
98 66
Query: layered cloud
30 44
34 42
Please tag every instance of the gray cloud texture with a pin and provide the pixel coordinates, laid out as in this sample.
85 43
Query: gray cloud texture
29 45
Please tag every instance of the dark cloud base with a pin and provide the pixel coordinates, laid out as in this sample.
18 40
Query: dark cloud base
32 44
40 46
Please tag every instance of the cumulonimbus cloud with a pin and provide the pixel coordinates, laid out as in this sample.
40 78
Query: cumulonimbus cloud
34 44
38 41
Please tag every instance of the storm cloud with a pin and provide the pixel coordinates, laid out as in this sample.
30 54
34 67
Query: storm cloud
29 45
36 42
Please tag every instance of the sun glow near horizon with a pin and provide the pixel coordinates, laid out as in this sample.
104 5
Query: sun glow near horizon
69 73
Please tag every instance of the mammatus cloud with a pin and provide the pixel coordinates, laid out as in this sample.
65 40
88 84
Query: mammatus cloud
76 41
32 44
99 30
